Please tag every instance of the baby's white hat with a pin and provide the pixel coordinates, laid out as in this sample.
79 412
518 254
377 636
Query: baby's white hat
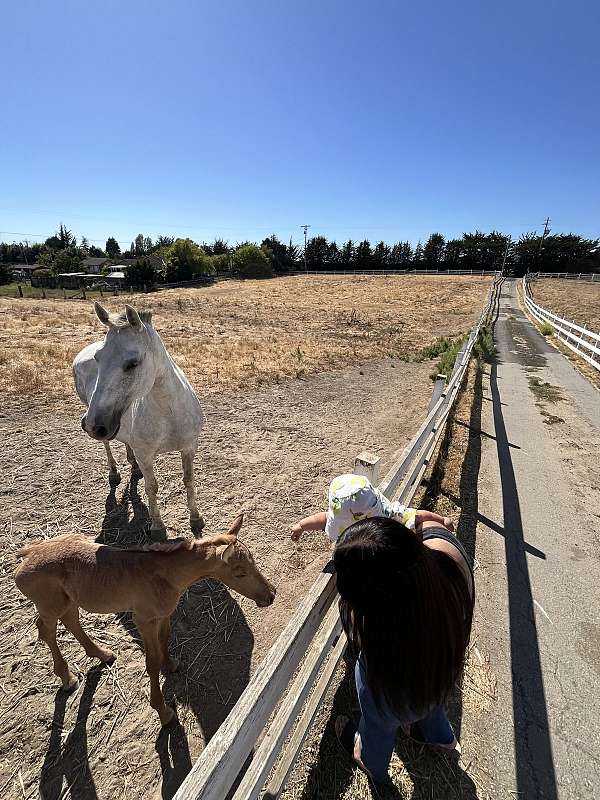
352 498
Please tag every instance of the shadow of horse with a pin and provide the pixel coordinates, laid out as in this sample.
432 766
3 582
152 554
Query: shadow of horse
69 762
209 636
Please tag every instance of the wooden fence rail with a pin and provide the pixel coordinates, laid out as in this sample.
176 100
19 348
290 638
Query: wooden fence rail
290 683
586 344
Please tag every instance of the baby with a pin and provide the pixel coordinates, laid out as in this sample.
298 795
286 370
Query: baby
351 498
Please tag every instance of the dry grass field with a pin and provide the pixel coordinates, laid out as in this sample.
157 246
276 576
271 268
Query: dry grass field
239 335
296 376
577 301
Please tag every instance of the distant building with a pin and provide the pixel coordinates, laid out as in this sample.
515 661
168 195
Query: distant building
94 265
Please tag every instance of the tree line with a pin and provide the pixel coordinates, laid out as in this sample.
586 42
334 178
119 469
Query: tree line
169 259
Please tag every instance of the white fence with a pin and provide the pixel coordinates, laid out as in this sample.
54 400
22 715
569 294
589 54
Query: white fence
574 276
383 272
579 339
285 692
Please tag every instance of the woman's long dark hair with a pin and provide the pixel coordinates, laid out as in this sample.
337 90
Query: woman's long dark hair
408 608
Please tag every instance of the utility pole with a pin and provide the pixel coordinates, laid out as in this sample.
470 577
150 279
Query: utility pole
508 243
544 234
306 227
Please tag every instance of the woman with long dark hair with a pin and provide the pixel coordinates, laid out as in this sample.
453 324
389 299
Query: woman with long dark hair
406 602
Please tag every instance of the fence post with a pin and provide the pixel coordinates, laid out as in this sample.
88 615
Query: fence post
101 295
64 293
20 290
367 464
43 293
459 357
83 293
438 389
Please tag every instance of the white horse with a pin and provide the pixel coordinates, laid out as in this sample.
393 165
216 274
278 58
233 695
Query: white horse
135 393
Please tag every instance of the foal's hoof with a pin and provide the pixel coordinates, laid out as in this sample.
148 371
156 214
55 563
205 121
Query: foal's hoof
107 656
171 665
197 526
114 478
71 684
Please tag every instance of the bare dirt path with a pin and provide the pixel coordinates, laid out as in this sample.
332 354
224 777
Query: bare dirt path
538 571
271 452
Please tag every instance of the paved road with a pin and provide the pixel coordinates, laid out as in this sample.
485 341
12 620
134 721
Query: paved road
538 576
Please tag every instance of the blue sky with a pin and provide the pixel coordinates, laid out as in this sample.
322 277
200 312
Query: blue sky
385 120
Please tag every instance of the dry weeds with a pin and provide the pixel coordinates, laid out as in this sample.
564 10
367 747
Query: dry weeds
239 335
576 301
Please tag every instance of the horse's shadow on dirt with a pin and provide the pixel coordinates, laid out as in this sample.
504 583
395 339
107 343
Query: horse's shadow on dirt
68 762
209 636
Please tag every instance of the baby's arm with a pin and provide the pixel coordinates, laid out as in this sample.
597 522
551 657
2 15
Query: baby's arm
316 522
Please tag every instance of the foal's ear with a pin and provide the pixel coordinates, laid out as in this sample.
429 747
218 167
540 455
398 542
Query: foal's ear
237 524
133 318
101 313
226 551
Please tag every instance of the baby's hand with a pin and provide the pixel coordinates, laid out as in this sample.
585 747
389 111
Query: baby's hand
296 532
448 524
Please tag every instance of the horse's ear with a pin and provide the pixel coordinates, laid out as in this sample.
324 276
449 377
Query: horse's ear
101 313
237 524
133 318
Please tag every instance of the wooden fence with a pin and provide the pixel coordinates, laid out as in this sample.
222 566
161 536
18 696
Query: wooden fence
284 694
579 339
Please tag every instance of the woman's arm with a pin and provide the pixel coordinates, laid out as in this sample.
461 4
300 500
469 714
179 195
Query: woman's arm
427 519
316 522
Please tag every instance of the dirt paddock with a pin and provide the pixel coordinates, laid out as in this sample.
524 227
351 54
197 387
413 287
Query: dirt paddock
578 301
279 426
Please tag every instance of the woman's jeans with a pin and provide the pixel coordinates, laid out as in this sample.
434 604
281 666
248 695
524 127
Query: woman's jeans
378 728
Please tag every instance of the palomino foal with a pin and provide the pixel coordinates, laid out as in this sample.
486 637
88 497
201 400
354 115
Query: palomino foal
137 394
70 572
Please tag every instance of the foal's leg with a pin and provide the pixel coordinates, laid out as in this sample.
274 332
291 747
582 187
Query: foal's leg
46 626
113 476
196 521
154 658
136 472
71 622
151 486
169 664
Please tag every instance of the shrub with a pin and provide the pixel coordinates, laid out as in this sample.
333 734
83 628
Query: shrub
546 329
252 262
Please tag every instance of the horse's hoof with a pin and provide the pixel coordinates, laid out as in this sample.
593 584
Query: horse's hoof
158 534
197 526
136 473
114 478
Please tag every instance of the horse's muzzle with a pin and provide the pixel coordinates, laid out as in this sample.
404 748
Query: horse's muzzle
100 432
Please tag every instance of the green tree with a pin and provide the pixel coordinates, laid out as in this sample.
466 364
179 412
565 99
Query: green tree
185 261
143 273
5 273
363 256
280 255
347 253
317 253
433 252
417 259
381 255
112 247
252 262
454 249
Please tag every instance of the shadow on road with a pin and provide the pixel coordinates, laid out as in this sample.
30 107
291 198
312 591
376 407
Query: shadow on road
535 774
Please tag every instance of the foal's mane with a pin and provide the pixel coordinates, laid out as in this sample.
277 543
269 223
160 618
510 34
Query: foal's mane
170 546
